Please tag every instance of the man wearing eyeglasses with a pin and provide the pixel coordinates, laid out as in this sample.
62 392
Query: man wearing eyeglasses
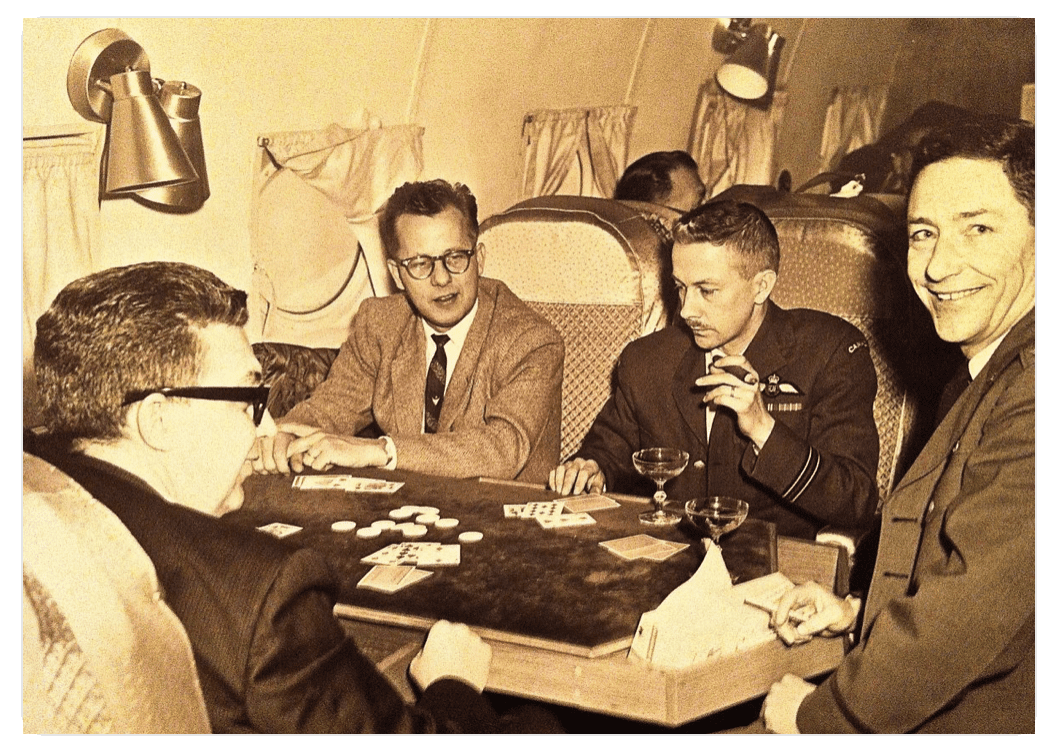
459 375
152 402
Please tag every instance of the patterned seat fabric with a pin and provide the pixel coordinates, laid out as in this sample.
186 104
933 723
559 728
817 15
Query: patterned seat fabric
292 372
846 256
597 270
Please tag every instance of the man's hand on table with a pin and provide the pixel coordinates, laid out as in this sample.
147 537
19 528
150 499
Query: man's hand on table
452 650
783 702
321 451
271 454
577 476
826 614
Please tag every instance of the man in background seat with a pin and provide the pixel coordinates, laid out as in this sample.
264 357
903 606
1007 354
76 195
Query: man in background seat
947 639
152 401
668 178
792 432
459 375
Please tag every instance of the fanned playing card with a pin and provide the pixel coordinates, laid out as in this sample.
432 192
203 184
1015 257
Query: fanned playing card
415 554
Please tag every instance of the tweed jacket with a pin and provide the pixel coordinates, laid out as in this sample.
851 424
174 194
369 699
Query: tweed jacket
948 633
270 654
502 410
819 465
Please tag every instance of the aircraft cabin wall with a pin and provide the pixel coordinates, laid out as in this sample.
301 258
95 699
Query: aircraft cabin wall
468 82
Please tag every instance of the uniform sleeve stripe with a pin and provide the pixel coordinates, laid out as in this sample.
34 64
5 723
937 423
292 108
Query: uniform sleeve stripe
805 477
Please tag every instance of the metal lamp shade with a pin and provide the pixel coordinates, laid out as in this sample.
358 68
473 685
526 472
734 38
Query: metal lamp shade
746 73
181 102
144 150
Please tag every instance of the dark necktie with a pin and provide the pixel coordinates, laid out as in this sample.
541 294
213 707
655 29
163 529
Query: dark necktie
435 389
953 390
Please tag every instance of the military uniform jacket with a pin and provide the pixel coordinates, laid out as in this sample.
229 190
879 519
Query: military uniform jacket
948 632
502 409
819 465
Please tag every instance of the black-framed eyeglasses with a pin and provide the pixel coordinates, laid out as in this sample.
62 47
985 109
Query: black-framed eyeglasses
455 261
255 396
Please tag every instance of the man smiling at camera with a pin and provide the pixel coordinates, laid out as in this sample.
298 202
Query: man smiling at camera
947 637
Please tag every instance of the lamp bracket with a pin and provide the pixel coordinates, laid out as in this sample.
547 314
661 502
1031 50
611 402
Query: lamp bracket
729 33
102 55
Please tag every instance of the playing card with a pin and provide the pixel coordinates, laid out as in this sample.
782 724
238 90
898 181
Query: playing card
643 546
279 529
513 511
415 554
588 504
369 485
390 579
536 509
321 482
632 547
565 520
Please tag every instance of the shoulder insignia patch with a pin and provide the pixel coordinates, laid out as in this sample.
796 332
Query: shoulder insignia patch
774 386
857 345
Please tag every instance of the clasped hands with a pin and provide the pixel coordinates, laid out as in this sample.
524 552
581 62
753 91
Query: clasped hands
295 446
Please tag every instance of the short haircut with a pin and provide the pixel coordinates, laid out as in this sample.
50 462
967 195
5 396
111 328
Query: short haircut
1008 142
426 199
648 179
121 330
741 226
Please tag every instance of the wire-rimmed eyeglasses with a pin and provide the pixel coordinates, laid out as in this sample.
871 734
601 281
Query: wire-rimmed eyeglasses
455 261
255 396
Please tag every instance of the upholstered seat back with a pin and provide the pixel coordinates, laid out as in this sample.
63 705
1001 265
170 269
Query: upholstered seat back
101 651
594 268
846 256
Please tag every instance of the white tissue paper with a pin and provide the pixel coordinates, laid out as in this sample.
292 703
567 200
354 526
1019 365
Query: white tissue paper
704 618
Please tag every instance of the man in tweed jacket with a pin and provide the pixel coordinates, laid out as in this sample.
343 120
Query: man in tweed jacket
499 413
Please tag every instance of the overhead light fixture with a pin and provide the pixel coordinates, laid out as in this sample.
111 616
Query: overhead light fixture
109 81
750 70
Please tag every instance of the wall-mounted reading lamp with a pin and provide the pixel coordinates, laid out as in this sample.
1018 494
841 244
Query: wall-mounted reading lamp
749 72
153 148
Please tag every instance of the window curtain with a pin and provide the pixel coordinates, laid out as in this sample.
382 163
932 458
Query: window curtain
315 235
60 229
594 140
853 118
734 142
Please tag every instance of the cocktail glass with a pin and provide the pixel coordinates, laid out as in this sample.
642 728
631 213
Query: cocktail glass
717 514
660 464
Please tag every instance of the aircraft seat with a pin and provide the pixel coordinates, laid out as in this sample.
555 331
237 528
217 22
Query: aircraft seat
594 268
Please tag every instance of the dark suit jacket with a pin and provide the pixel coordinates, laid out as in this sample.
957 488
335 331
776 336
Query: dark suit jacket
502 410
948 630
819 465
270 654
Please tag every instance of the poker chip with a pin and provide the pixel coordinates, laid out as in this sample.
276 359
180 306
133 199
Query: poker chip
412 508
427 519
344 525
428 509
446 523
402 513
401 526
469 537
414 531
369 532
384 524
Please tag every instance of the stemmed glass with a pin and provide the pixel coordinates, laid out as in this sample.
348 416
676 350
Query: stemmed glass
719 514
660 464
